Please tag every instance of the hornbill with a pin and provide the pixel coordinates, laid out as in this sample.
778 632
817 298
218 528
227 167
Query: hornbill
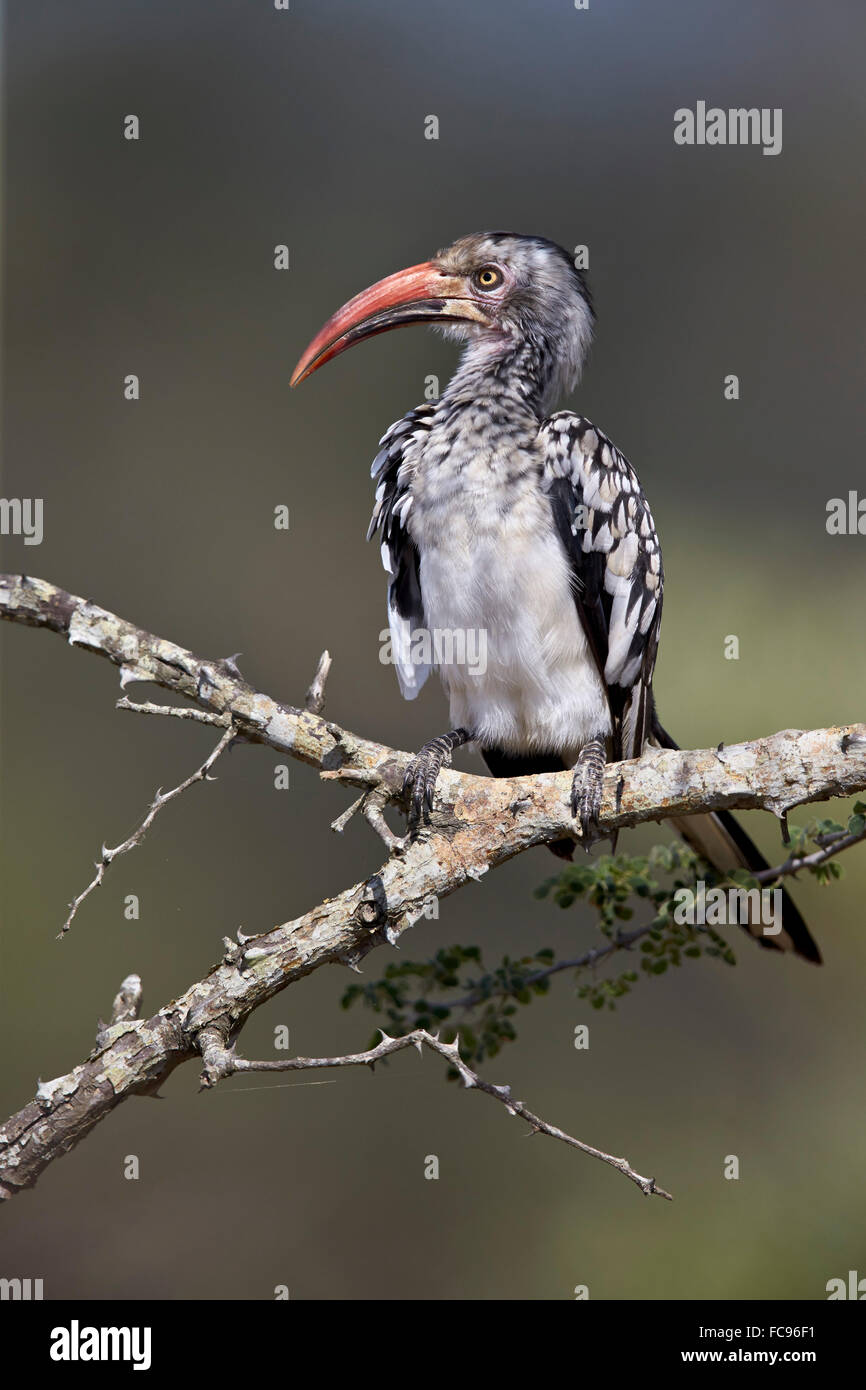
499 518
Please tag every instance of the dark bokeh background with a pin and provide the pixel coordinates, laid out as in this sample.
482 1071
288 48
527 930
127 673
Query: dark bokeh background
156 257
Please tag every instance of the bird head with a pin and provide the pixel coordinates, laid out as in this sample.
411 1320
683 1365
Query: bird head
496 290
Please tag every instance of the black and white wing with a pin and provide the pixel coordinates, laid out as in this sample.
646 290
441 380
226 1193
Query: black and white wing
394 469
606 526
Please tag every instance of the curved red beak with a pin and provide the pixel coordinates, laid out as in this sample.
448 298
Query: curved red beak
421 294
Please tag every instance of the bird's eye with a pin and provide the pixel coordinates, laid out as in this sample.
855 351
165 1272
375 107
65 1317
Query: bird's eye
489 277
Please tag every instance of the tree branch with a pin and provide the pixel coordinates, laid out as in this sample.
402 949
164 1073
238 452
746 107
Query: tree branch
161 799
478 823
830 846
223 1061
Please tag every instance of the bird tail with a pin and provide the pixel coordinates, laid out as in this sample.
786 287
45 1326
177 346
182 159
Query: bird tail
723 842
716 836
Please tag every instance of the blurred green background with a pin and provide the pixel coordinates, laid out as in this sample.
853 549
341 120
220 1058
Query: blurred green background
261 127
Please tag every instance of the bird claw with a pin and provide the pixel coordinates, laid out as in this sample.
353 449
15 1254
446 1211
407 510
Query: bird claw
422 774
586 804
586 790
419 784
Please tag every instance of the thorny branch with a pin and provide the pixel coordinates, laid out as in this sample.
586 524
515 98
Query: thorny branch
161 799
478 824
830 846
315 699
127 1003
223 1061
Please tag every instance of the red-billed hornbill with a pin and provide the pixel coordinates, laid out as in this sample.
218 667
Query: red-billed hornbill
532 528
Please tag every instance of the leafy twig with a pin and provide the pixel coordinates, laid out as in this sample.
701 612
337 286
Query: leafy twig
831 838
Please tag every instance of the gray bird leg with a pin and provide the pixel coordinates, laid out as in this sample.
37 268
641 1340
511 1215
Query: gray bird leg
586 788
419 784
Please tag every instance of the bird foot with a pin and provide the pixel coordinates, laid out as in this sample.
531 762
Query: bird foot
586 786
419 784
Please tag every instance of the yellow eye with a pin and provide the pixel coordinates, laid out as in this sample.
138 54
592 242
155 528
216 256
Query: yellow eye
489 277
